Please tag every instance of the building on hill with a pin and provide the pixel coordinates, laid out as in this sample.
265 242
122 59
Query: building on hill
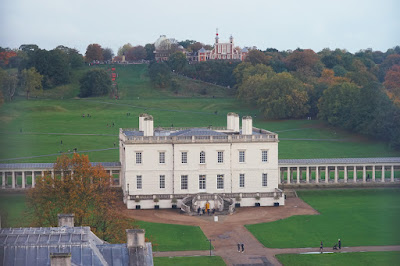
69 245
164 47
186 167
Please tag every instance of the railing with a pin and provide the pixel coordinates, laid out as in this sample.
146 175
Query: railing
196 197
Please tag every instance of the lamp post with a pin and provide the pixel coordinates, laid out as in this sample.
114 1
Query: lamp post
209 240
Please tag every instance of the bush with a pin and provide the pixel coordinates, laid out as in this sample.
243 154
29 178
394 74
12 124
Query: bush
95 82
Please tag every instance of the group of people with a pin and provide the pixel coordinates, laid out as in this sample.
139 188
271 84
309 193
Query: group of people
205 209
240 247
337 246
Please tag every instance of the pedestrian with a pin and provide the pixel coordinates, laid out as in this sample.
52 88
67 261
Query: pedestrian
340 243
61 142
198 211
208 212
242 247
113 124
238 247
321 247
114 144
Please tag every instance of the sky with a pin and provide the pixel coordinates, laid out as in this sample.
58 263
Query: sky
282 24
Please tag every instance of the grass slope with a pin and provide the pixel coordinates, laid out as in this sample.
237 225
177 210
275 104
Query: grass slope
364 217
13 210
174 237
185 261
360 258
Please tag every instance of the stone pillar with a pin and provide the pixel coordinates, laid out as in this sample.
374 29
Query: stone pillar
373 173
33 179
23 179
52 174
288 175
13 179
326 174
308 175
392 173
281 175
383 173
66 219
364 174
355 174
316 174
298 175
42 173
62 175
336 174
345 174
3 179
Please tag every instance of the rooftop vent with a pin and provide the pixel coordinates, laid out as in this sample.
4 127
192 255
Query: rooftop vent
66 219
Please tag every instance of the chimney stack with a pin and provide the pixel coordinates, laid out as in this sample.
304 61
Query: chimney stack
135 238
148 127
60 259
233 122
247 125
66 219
141 121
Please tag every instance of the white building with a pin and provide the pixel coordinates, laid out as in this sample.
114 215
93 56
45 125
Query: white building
186 167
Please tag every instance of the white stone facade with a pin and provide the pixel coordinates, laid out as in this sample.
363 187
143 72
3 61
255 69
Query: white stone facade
171 164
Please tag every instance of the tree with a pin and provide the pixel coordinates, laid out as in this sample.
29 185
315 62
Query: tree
8 84
31 81
392 83
177 61
257 57
84 190
160 74
75 59
122 50
136 53
95 82
108 54
301 58
195 46
150 51
94 52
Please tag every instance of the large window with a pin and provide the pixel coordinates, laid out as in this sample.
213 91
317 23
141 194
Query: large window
241 180
184 156
220 181
242 157
264 180
138 157
220 157
139 182
202 182
162 181
202 157
184 182
161 157
264 156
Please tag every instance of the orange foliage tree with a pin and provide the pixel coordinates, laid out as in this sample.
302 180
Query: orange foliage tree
392 83
83 190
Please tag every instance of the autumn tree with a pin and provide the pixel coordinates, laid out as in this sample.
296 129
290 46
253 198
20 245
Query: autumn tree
8 83
84 190
136 53
31 81
257 57
123 49
94 52
301 58
392 83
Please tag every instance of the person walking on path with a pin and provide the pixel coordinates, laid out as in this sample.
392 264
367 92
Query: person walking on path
321 247
340 243
242 247
238 245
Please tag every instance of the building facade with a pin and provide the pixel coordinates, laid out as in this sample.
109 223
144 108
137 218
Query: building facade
187 167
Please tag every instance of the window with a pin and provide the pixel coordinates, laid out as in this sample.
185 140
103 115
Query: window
220 181
241 157
220 157
264 156
162 181
184 182
202 182
202 157
162 157
139 182
184 156
138 157
264 180
241 180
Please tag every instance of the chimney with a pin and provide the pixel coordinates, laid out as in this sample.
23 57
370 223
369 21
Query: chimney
141 121
148 126
60 259
247 125
135 238
66 220
233 122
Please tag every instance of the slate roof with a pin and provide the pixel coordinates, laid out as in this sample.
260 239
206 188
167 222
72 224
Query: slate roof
32 246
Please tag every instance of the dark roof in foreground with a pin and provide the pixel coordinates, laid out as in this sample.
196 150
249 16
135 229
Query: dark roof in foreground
32 247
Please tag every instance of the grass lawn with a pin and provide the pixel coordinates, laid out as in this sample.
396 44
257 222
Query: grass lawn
186 261
359 217
354 258
174 237
13 210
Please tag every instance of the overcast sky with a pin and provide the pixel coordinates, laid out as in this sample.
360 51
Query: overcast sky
281 24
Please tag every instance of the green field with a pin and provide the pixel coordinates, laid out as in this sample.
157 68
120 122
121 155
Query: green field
363 217
187 261
13 210
388 258
32 130
174 237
